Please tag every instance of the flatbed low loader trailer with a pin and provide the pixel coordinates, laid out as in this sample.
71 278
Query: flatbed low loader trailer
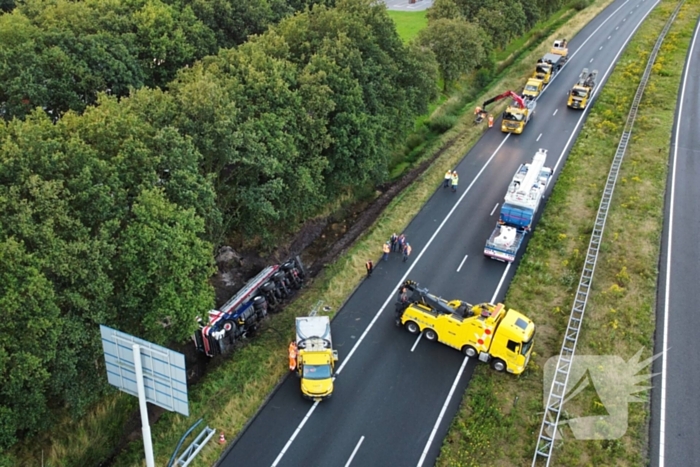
522 201
501 337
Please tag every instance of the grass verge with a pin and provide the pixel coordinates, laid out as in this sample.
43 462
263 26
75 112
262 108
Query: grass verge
500 415
229 395
408 23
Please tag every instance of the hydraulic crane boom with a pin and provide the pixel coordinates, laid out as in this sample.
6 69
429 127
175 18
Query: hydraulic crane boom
519 100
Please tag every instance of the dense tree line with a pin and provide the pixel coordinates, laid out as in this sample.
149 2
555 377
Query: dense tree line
109 213
137 135
464 33
59 54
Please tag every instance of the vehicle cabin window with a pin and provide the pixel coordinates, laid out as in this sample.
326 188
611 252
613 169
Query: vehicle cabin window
512 346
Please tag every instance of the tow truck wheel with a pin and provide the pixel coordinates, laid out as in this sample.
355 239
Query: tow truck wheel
412 327
469 351
498 365
431 335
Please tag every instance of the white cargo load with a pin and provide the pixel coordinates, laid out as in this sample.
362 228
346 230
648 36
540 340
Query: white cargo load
314 333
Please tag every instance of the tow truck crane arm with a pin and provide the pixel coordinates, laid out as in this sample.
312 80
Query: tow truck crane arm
422 296
519 100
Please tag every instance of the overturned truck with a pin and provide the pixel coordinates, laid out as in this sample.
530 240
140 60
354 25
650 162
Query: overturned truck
243 313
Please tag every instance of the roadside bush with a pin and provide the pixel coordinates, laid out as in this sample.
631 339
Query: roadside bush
442 123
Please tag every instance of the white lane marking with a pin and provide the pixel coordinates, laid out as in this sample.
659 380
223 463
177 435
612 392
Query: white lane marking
602 80
624 19
500 283
555 112
538 138
590 61
617 28
354 451
465 258
664 340
495 207
416 342
294 435
442 412
609 37
600 48
420 255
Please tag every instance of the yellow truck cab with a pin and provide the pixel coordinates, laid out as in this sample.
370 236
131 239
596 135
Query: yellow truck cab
581 93
516 117
503 338
547 67
316 358
533 88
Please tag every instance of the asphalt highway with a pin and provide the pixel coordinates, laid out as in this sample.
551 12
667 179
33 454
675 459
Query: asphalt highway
395 396
675 422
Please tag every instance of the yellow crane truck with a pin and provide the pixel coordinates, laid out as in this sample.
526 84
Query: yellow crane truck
314 356
581 93
496 335
516 115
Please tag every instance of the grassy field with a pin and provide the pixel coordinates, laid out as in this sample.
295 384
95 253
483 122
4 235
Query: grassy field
409 23
500 415
231 394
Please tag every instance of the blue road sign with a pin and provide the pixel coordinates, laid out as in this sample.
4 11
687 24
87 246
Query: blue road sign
164 375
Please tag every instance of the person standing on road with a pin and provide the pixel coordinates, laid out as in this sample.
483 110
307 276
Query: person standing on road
406 251
370 267
292 356
386 249
448 179
401 242
455 181
394 240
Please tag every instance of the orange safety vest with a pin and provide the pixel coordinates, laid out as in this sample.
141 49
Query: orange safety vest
490 121
292 356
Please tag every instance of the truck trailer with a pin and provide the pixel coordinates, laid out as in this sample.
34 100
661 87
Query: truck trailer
525 194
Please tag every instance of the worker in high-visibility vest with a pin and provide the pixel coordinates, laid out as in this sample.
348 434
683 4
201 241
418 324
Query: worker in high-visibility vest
490 121
292 356
386 249
448 178
455 181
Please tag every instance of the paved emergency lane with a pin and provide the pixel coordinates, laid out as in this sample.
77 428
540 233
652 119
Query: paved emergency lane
675 423
387 395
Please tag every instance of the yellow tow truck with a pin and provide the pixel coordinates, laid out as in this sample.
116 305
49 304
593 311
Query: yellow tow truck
581 93
496 335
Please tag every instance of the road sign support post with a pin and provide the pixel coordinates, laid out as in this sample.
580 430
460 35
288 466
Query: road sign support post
145 427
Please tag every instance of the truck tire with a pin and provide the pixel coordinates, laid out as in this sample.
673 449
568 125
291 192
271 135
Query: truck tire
431 335
412 327
469 351
498 365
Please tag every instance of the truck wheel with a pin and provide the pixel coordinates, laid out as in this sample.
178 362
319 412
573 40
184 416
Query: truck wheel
498 365
412 327
469 351
431 335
